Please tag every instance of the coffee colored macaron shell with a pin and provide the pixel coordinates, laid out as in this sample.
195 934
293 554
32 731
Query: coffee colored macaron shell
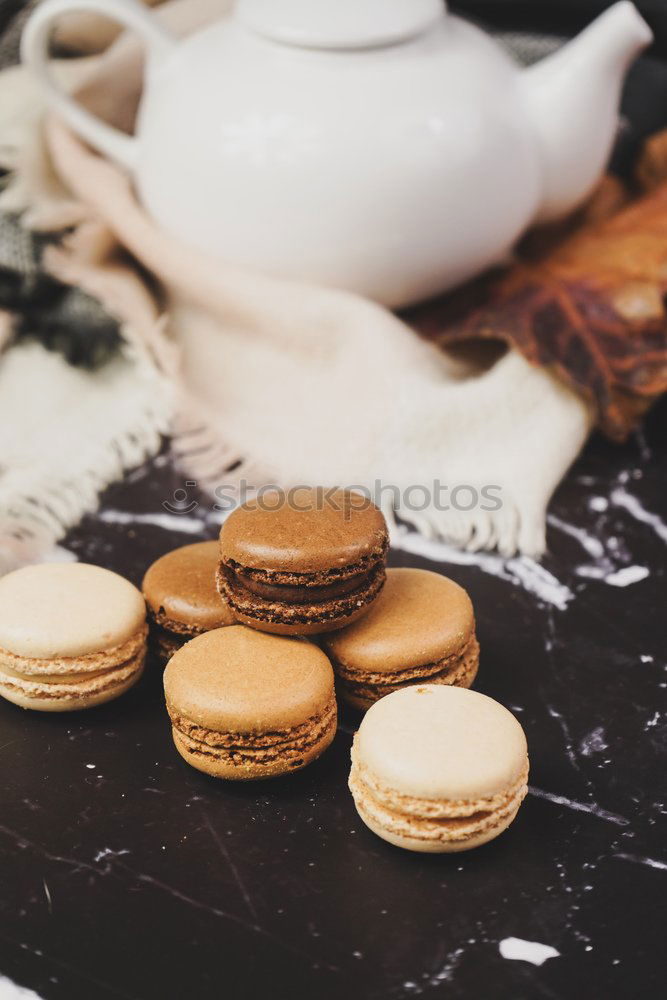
421 628
303 563
438 768
245 705
182 597
71 636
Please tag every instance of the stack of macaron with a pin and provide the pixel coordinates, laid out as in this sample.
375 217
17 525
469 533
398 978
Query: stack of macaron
258 633
257 699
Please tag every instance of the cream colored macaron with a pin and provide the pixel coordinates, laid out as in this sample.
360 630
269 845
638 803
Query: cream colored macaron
438 768
71 636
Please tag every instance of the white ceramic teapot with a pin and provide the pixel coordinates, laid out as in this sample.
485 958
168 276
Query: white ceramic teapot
382 146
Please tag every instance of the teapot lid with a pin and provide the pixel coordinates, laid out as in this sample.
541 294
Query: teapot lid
339 24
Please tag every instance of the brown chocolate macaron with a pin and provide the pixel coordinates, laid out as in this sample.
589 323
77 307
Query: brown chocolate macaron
420 629
182 597
308 561
248 705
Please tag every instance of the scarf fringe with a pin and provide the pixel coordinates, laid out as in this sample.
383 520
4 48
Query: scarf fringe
472 531
38 514
209 459
215 464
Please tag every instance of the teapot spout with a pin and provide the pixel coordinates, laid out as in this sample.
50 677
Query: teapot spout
573 98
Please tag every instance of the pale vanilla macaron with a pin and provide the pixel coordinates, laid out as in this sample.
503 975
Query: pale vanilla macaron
438 769
71 636
421 629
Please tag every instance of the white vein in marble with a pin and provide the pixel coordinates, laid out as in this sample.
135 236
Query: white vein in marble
10 991
627 575
522 571
169 522
586 807
639 860
620 497
604 556
527 951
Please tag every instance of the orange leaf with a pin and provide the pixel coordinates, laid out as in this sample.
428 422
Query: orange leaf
592 307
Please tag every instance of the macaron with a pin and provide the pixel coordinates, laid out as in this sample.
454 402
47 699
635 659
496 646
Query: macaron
302 562
182 598
420 629
71 636
438 768
247 705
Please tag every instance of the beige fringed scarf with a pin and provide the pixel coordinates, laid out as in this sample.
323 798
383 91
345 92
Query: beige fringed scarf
284 382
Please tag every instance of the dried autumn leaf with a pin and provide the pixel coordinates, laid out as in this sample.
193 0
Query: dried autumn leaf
608 198
651 169
592 307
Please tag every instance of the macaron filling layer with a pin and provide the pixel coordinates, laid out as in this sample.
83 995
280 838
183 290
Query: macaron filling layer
161 620
307 602
166 643
287 746
73 678
458 668
290 592
433 820
167 634
86 663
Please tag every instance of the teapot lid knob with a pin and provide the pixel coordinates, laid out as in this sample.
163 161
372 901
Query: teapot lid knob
339 24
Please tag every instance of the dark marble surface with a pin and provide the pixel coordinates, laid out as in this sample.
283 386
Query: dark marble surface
123 873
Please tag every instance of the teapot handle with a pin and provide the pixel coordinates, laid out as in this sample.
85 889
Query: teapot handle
110 141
